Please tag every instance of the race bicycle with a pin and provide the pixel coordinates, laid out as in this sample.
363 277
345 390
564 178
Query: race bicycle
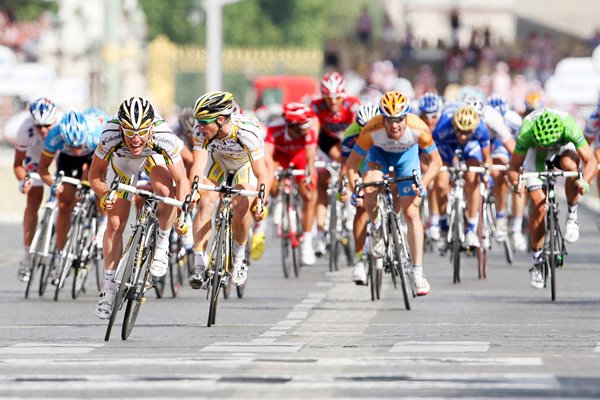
553 250
132 276
397 259
220 257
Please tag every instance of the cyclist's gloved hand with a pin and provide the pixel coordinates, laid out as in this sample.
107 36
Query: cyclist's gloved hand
181 227
107 201
25 185
582 185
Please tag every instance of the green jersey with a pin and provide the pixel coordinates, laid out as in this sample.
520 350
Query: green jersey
525 140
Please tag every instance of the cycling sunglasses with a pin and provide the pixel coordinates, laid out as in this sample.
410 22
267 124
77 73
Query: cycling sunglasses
391 120
206 121
130 133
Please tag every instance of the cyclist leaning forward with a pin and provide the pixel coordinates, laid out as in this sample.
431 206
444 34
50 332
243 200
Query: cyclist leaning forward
393 139
226 143
293 140
549 133
136 138
335 111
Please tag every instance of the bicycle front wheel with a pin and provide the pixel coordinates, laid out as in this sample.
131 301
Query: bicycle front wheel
456 226
124 277
334 240
483 236
552 251
401 260
221 263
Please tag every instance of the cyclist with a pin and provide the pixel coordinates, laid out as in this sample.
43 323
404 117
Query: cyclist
226 143
28 149
184 130
136 138
393 139
592 135
335 111
534 100
75 138
501 155
546 133
461 129
430 107
365 113
293 140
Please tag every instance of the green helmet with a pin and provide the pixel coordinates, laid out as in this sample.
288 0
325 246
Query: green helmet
547 128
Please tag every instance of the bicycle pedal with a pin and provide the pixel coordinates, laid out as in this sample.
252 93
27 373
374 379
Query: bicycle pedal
143 300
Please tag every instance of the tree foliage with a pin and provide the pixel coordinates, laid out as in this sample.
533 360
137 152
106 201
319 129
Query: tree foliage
26 10
262 23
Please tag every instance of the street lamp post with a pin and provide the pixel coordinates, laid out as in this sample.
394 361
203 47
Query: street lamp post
214 42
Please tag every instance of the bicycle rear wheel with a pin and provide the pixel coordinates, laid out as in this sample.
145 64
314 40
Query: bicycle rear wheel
125 270
80 274
375 278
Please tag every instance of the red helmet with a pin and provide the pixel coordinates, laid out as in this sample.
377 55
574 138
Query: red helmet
332 84
298 114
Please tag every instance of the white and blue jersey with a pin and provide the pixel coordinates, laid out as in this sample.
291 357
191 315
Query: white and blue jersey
446 140
55 143
592 129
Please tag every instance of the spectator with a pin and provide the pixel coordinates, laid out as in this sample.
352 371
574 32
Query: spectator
454 27
364 26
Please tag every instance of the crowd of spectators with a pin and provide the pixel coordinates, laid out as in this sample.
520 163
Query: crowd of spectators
22 36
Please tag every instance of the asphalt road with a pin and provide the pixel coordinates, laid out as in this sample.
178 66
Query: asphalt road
319 336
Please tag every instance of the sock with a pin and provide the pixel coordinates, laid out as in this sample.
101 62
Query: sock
536 255
377 223
307 238
472 224
26 254
259 227
321 235
162 239
239 250
572 211
417 268
444 223
199 259
109 285
500 214
517 222
434 219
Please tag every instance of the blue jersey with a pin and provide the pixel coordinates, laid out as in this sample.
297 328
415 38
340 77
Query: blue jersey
54 141
444 132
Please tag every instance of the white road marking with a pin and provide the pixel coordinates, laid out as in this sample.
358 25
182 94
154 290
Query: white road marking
441 347
252 347
50 348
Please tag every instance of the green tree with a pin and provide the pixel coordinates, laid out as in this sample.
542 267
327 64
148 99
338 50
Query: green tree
27 10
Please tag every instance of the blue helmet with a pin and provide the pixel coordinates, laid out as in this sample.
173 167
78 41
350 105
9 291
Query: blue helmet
74 129
498 102
430 103
43 111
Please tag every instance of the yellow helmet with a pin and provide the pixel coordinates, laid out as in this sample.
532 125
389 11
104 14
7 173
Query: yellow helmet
394 104
213 104
465 118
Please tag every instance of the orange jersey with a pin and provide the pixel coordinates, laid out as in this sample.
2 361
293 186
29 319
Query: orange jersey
416 132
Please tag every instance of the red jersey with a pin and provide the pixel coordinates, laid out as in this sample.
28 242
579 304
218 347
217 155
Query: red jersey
335 125
285 146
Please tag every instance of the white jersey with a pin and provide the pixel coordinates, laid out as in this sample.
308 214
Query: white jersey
31 142
513 120
495 123
243 143
163 143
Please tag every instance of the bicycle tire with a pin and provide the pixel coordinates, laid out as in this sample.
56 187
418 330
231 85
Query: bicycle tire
400 264
98 267
136 293
227 289
80 274
552 256
219 269
509 252
47 266
295 245
130 254
455 242
67 264
241 289
159 286
482 249
174 275
333 234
